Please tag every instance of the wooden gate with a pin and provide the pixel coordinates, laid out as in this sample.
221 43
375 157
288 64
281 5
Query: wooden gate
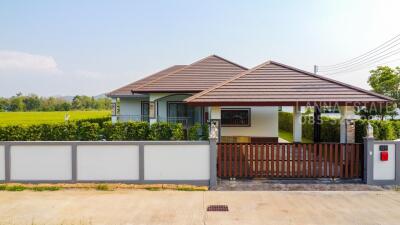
330 160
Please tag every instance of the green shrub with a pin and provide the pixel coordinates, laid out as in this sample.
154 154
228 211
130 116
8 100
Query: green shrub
160 131
177 132
40 188
15 188
194 133
102 187
88 131
205 132
114 132
137 131
99 120
285 121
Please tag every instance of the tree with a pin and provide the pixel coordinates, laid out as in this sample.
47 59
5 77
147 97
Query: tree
32 102
386 81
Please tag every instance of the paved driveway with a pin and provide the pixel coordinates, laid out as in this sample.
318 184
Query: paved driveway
177 207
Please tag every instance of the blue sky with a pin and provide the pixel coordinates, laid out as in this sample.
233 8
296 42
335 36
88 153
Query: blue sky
92 47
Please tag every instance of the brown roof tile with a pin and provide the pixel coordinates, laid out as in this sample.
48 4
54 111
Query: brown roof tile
126 90
272 83
195 77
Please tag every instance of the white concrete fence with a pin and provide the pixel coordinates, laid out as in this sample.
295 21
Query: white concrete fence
180 162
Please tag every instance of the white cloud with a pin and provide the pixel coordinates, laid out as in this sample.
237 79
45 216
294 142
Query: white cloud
21 61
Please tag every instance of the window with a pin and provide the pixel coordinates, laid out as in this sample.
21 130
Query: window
177 109
145 110
235 117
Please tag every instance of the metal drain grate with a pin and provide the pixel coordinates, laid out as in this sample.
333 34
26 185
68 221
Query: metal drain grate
217 208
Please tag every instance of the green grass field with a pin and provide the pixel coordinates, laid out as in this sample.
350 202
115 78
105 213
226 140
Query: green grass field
14 118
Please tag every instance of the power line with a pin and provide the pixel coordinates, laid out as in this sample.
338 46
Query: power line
371 57
360 68
377 49
366 63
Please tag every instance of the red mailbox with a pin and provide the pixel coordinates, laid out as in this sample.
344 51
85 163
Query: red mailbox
384 156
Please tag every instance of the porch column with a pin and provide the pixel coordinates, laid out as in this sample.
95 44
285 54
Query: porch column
215 118
297 124
114 110
346 126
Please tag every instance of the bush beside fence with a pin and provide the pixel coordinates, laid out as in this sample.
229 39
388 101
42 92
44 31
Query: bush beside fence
91 131
330 128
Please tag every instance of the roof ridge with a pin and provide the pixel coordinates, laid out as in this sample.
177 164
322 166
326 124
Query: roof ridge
198 61
332 80
225 82
228 61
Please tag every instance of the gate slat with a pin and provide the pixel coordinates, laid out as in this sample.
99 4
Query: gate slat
235 163
240 160
315 160
219 161
230 160
251 161
330 160
357 160
287 160
346 161
336 167
246 159
225 163
273 160
267 158
283 161
292 146
325 159
256 160
303 157
277 159
309 160
262 171
352 160
320 160
298 160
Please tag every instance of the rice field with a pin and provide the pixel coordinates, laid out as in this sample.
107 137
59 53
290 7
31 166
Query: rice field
27 118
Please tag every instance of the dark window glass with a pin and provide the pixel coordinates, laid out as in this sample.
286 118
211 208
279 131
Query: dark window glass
235 117
145 111
177 109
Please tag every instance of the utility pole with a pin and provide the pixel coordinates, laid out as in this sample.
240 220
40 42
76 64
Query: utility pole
317 117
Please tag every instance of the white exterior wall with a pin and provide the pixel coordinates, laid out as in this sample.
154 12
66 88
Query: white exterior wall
384 170
41 162
264 123
2 163
108 162
131 106
177 162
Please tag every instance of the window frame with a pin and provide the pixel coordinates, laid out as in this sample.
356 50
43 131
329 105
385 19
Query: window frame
142 103
237 125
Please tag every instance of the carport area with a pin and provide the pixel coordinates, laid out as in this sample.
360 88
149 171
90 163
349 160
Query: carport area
178 207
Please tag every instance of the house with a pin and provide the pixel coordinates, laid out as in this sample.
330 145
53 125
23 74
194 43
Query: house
243 102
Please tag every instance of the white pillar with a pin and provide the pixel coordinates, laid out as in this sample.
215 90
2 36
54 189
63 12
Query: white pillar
297 124
153 111
215 118
114 110
346 112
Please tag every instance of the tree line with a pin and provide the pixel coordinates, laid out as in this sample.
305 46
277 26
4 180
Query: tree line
32 102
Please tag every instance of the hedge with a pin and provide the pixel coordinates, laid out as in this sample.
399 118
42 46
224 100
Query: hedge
330 128
89 131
